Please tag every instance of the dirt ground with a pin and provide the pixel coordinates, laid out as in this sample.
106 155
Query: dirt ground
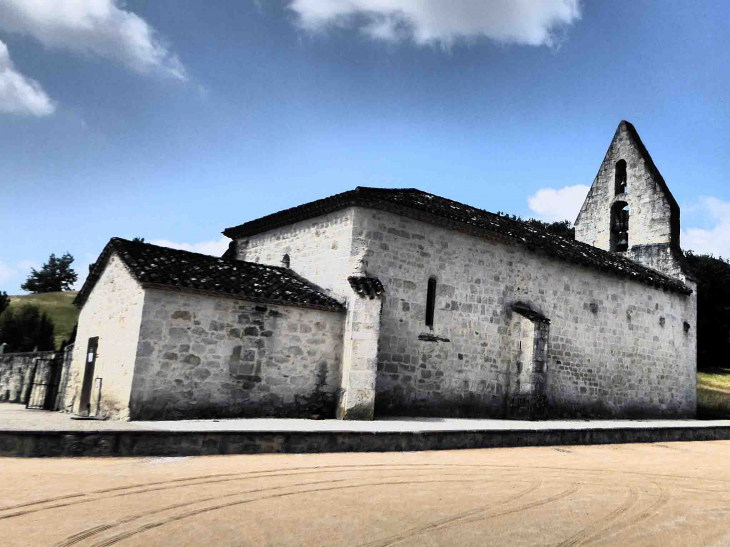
641 494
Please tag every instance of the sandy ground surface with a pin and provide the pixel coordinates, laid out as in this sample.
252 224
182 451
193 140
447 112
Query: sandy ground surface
641 494
15 417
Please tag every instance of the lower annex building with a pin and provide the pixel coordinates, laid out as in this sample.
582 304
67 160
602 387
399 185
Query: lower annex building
380 302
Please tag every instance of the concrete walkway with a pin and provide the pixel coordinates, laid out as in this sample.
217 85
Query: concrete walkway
30 433
15 417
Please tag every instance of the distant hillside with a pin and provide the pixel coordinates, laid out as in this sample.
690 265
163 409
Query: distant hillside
59 308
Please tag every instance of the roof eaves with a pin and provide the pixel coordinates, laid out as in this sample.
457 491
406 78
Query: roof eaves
334 307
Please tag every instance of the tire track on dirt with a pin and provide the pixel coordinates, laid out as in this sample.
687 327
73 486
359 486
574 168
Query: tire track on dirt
662 500
421 529
80 536
175 518
230 477
596 528
82 498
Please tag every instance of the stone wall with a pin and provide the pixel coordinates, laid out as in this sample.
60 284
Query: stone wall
203 357
112 312
17 371
318 248
651 218
616 347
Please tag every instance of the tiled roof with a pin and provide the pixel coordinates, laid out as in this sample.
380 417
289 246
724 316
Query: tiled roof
172 269
418 205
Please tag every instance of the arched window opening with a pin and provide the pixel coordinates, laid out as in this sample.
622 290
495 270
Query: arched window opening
621 177
285 260
430 302
620 227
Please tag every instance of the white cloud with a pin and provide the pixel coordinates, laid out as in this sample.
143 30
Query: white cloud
19 94
715 240
531 22
213 248
96 27
555 205
26 265
16 274
6 272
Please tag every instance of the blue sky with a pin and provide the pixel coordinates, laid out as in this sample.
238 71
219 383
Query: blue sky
172 121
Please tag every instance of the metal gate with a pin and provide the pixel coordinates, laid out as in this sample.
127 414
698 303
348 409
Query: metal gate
45 380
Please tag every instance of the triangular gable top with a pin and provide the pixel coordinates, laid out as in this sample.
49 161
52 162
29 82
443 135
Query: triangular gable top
648 162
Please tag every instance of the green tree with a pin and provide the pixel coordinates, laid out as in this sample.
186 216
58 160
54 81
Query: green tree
713 308
563 228
71 339
26 329
55 276
4 301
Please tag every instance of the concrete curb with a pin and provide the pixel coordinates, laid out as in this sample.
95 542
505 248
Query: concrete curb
121 443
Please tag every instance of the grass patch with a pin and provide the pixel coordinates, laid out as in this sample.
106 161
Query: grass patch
713 393
59 308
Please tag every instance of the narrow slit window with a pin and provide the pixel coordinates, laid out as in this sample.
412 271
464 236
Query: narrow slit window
620 177
430 302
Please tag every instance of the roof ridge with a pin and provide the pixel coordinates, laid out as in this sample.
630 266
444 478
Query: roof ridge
453 214
155 266
232 260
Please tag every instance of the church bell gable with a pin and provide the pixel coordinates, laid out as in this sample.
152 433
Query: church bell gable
628 204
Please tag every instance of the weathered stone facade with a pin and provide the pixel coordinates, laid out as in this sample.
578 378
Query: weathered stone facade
19 371
319 249
200 356
166 354
616 347
628 178
112 312
324 310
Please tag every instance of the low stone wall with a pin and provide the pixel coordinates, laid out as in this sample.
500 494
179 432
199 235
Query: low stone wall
16 371
207 443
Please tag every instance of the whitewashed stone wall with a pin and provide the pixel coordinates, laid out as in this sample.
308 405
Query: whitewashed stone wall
203 356
112 312
650 219
323 250
360 359
616 347
319 249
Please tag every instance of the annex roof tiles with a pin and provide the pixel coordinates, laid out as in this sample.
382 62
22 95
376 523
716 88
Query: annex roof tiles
173 269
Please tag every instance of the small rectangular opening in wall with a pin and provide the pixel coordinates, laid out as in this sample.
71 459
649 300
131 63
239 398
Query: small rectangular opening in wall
430 302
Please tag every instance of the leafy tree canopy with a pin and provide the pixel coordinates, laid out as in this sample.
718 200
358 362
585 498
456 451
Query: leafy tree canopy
713 308
4 301
55 276
562 228
26 329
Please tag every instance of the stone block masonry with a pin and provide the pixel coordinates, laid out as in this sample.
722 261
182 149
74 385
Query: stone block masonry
318 250
616 348
207 357
17 371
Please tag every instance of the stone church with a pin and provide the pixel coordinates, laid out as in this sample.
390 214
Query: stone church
396 302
